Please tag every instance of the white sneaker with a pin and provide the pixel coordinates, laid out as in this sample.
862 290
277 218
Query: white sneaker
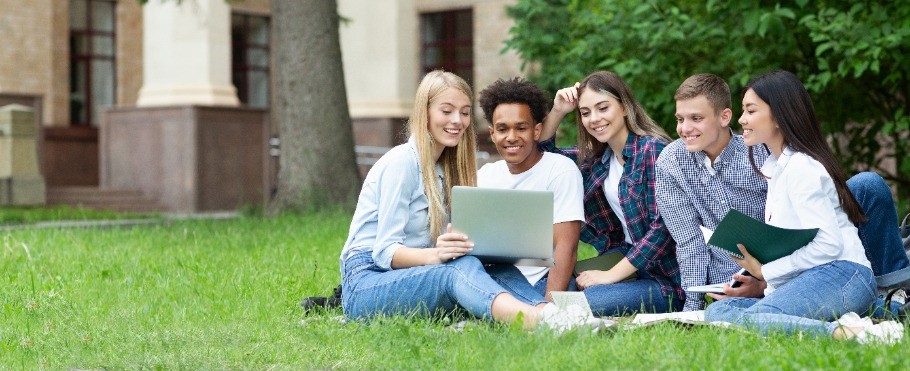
851 319
572 317
887 332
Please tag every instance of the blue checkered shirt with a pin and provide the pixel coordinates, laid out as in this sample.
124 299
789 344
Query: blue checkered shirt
689 194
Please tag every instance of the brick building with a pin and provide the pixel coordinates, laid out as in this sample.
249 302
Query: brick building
139 107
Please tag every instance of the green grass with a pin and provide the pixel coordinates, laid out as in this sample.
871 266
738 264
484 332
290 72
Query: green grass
16 215
225 294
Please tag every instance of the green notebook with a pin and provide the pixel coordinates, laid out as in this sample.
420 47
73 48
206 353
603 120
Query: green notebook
765 242
602 263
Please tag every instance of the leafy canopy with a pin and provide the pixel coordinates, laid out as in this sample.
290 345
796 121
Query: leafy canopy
850 55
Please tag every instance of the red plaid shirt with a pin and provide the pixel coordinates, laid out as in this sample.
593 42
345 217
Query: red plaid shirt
653 249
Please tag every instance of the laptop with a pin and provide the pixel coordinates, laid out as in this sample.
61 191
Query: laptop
507 226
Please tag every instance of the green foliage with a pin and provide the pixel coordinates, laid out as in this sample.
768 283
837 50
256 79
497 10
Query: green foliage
863 76
851 56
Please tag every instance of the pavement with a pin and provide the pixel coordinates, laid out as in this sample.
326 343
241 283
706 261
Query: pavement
107 223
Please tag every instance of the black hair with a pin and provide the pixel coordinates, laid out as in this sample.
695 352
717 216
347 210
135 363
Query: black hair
792 110
514 90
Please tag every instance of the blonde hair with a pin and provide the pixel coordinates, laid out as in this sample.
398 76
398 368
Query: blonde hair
457 163
637 120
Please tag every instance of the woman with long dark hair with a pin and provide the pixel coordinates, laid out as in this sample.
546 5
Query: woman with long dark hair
819 287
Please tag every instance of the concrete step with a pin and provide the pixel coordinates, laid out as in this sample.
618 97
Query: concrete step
121 200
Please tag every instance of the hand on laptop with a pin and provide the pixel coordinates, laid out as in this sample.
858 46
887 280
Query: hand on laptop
449 246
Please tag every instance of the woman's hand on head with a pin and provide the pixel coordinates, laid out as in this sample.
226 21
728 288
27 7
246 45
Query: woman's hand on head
566 100
449 246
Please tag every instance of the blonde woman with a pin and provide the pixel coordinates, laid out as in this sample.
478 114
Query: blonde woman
401 257
618 144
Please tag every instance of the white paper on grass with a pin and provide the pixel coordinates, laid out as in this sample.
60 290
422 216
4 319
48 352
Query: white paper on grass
697 316
564 299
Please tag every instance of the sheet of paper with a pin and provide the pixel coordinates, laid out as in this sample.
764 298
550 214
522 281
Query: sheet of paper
563 299
707 233
689 317
717 288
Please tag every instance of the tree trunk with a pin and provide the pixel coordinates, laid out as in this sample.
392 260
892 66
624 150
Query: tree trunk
317 166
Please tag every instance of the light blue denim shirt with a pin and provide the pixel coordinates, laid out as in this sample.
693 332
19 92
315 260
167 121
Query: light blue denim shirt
392 208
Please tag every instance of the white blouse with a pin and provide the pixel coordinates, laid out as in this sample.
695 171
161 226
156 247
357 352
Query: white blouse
801 194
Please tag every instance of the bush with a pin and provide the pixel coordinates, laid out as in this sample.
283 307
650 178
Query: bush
851 57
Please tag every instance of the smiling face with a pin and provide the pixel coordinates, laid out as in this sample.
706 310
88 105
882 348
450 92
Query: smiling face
515 135
701 128
759 125
449 116
603 116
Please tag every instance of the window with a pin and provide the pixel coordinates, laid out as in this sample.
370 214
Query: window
250 58
92 51
447 40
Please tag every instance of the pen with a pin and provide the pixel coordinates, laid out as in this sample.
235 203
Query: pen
734 282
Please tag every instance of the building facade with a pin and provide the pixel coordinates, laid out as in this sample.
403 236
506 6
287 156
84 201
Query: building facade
100 73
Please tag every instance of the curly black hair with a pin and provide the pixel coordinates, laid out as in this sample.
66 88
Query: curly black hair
514 90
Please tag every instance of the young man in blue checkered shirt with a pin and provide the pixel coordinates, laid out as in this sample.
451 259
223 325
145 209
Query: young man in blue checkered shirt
705 172
700 176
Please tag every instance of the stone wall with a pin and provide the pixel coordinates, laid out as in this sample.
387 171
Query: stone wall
187 158
27 49
20 176
129 51
251 6
381 51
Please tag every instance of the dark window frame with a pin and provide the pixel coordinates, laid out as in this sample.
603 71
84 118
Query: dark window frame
447 43
89 56
241 47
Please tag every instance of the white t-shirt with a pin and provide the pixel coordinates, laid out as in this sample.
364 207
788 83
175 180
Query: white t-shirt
554 173
611 190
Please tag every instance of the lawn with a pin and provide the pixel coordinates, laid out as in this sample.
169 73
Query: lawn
24 214
224 294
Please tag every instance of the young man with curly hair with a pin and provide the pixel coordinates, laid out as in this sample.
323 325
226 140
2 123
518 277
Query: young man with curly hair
515 109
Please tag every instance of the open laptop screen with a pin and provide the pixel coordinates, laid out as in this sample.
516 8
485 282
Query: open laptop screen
506 225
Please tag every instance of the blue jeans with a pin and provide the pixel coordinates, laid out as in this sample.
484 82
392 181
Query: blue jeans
511 279
879 233
368 291
807 303
639 296
541 285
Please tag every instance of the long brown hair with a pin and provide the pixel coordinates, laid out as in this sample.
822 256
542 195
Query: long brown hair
457 163
637 120
792 110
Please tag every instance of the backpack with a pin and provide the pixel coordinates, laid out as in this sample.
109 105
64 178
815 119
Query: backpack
905 233
322 302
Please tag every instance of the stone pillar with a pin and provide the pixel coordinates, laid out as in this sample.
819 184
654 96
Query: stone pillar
187 54
21 182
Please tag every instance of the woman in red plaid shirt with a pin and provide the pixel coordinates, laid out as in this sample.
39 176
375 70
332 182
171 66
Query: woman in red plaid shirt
618 144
